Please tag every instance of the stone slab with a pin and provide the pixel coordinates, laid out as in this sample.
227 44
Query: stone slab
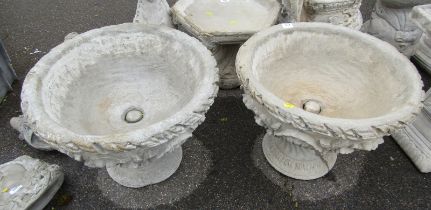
415 139
28 183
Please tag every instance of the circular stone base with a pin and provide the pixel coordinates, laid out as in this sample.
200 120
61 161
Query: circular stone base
153 172
342 178
296 161
193 170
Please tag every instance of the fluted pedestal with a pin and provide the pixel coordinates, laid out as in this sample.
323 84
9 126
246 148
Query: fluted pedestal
296 161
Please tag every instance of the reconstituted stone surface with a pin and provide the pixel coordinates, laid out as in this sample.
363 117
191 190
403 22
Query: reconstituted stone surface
28 183
230 177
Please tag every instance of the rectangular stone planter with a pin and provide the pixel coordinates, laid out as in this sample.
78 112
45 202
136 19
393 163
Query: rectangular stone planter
415 139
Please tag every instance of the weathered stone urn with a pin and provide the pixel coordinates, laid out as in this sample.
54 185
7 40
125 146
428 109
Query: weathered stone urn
123 97
321 90
390 21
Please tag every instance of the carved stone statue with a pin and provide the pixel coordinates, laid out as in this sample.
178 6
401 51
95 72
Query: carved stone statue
421 15
28 183
124 97
153 12
321 90
337 12
390 22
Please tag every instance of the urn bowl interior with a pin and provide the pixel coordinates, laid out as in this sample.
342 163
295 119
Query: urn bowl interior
343 74
113 83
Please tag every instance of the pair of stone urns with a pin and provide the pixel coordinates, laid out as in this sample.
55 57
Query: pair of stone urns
126 97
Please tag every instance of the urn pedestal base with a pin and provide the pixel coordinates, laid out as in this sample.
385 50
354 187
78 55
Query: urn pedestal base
153 172
296 161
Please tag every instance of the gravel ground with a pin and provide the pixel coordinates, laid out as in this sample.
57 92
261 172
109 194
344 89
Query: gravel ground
223 167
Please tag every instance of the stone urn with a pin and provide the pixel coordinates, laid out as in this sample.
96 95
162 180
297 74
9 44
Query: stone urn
321 90
123 97
390 22
337 12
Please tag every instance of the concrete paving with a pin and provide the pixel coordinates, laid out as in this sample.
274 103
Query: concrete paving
223 167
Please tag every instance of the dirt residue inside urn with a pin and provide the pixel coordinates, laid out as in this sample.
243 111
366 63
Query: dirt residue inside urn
351 84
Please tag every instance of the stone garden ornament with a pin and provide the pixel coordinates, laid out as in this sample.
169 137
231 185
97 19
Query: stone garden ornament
156 12
337 12
415 139
321 90
28 183
225 21
390 22
421 15
123 97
